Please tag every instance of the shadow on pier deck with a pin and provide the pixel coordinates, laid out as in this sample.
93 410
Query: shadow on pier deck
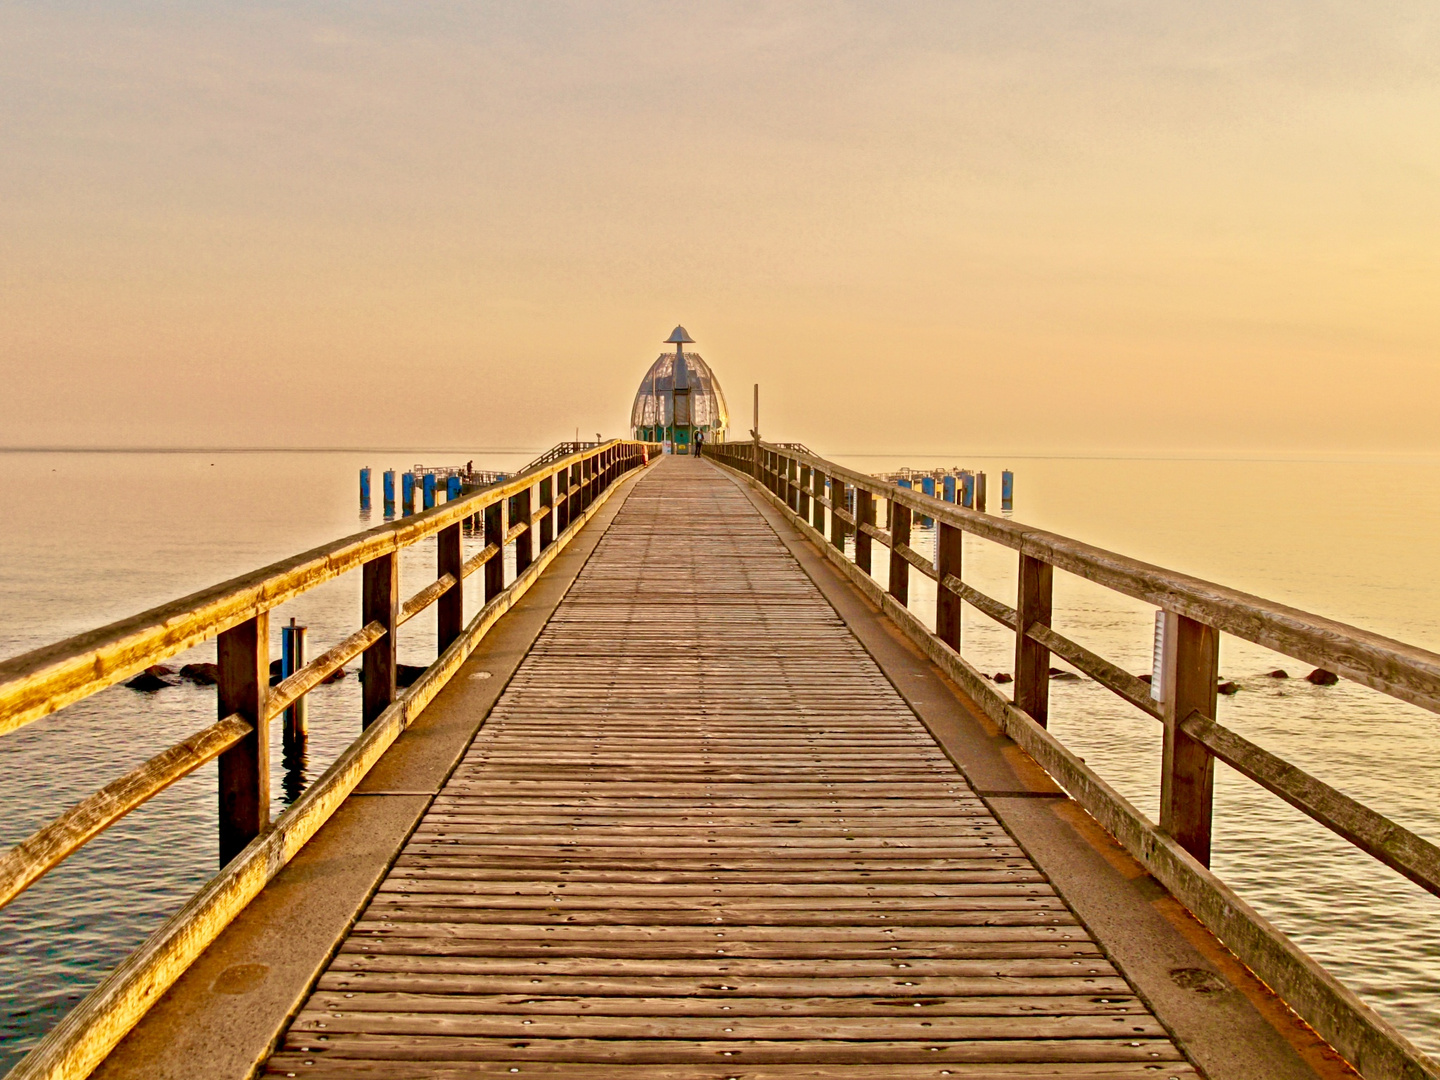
696 808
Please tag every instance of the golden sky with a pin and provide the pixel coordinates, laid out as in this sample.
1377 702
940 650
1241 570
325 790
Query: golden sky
1004 227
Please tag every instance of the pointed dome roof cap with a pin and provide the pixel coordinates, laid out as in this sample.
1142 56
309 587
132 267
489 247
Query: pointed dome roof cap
678 336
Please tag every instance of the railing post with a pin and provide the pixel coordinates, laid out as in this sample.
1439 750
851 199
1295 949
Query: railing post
948 606
1189 674
547 500
525 542
899 568
379 602
802 491
864 515
1032 660
562 501
817 492
837 502
450 608
243 659
495 528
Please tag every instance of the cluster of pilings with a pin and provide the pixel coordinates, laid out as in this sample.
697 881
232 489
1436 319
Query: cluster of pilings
962 486
430 483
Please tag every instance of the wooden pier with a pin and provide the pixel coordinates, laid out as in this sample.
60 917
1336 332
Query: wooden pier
701 834
696 797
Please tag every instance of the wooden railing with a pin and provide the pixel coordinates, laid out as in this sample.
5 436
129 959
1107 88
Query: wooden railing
537 512
815 492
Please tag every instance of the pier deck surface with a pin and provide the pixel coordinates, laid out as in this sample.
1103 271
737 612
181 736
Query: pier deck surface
701 834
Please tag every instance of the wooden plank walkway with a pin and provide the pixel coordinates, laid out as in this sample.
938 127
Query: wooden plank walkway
702 836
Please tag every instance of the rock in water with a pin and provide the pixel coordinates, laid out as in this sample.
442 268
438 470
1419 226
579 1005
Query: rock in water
1321 677
1063 676
1227 688
159 671
1278 673
1003 677
201 674
147 682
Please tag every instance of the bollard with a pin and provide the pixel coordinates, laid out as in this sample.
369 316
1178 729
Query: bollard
407 491
429 493
365 488
388 487
949 488
967 490
452 488
292 659
1007 490
980 492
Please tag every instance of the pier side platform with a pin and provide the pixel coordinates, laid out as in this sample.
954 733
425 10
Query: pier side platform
697 809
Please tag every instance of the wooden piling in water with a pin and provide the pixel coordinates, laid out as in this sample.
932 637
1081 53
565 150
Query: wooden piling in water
292 659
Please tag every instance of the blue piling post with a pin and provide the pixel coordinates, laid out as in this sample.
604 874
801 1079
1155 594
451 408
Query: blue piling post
407 488
1007 490
292 659
429 491
365 488
452 488
927 487
949 488
967 498
387 481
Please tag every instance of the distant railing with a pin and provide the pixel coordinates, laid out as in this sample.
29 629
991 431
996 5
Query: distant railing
538 512
1196 612
560 450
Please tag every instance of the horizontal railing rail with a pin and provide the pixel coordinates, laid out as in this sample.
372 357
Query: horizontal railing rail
538 512
810 489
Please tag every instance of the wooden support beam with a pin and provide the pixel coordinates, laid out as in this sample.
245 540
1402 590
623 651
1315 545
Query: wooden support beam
547 523
495 528
525 542
1189 674
899 566
949 545
450 608
864 515
802 491
562 501
380 603
243 659
1032 659
837 512
817 491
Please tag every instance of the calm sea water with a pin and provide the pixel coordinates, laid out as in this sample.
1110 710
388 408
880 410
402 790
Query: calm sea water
92 537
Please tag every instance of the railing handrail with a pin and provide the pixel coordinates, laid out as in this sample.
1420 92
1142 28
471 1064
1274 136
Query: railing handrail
570 490
36 683
1393 667
1177 850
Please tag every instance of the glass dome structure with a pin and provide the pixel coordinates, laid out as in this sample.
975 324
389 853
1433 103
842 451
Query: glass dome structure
653 416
